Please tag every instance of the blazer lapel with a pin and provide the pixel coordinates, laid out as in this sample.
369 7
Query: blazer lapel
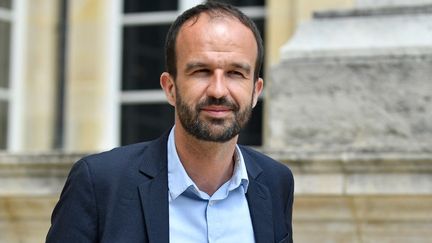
260 207
260 202
154 192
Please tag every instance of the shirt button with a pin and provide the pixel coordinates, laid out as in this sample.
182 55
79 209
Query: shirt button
211 203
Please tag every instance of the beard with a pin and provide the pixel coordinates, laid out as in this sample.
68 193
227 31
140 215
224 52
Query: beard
212 129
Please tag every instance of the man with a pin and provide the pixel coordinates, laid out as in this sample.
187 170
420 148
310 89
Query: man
193 184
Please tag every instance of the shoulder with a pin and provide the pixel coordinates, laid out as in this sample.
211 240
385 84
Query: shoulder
125 159
117 157
119 170
118 153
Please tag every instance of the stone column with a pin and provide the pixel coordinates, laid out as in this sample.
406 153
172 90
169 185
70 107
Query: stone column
92 74
279 27
40 82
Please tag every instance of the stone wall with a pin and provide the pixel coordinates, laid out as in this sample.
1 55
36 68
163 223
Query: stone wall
339 198
378 103
350 112
29 189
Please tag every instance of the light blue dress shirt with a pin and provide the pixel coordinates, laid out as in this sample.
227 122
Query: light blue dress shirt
196 217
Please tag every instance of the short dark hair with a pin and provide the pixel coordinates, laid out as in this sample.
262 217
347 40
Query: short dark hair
215 8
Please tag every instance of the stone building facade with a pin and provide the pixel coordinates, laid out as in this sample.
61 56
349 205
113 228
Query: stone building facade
350 111
347 106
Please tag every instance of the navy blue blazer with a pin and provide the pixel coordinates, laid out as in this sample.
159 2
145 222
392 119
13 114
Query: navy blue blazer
121 196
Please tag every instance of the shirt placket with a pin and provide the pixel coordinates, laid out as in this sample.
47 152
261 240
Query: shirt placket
213 221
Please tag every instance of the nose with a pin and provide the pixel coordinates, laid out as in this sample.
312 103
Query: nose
217 87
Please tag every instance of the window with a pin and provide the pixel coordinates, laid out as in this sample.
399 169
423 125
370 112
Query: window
6 4
5 36
145 114
143 56
137 6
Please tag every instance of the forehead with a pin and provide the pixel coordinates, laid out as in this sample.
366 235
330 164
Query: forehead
215 33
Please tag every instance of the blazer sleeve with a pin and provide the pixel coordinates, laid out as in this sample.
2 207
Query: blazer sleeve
74 218
289 208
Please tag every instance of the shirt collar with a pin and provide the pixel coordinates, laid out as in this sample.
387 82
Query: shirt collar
240 176
179 181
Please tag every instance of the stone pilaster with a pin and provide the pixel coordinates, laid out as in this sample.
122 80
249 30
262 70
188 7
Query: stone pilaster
40 69
92 91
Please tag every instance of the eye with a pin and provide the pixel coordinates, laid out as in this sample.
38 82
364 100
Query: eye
201 72
236 74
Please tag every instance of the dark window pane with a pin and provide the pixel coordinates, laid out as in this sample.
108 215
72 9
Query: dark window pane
244 3
144 122
252 133
5 4
143 56
4 53
3 124
133 6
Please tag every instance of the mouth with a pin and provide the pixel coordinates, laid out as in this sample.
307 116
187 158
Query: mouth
217 111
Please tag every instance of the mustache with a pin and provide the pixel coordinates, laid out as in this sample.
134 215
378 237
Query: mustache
218 101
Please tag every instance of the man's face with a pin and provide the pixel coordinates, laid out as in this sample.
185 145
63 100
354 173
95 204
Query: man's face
214 87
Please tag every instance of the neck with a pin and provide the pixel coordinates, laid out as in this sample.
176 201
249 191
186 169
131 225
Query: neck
208 164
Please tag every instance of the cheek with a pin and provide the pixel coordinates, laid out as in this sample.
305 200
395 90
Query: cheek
243 95
188 97
192 93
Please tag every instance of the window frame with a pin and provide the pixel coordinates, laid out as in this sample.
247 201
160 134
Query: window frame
13 95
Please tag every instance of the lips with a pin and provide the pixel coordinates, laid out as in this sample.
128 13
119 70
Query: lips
217 108
217 111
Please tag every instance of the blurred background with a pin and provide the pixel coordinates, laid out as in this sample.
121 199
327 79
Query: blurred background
347 105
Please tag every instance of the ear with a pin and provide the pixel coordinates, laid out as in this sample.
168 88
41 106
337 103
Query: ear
168 86
258 88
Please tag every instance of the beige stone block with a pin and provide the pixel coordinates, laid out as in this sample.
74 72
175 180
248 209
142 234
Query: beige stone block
380 183
346 219
34 175
25 220
319 184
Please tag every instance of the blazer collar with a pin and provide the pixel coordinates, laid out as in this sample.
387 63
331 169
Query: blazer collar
155 157
154 191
